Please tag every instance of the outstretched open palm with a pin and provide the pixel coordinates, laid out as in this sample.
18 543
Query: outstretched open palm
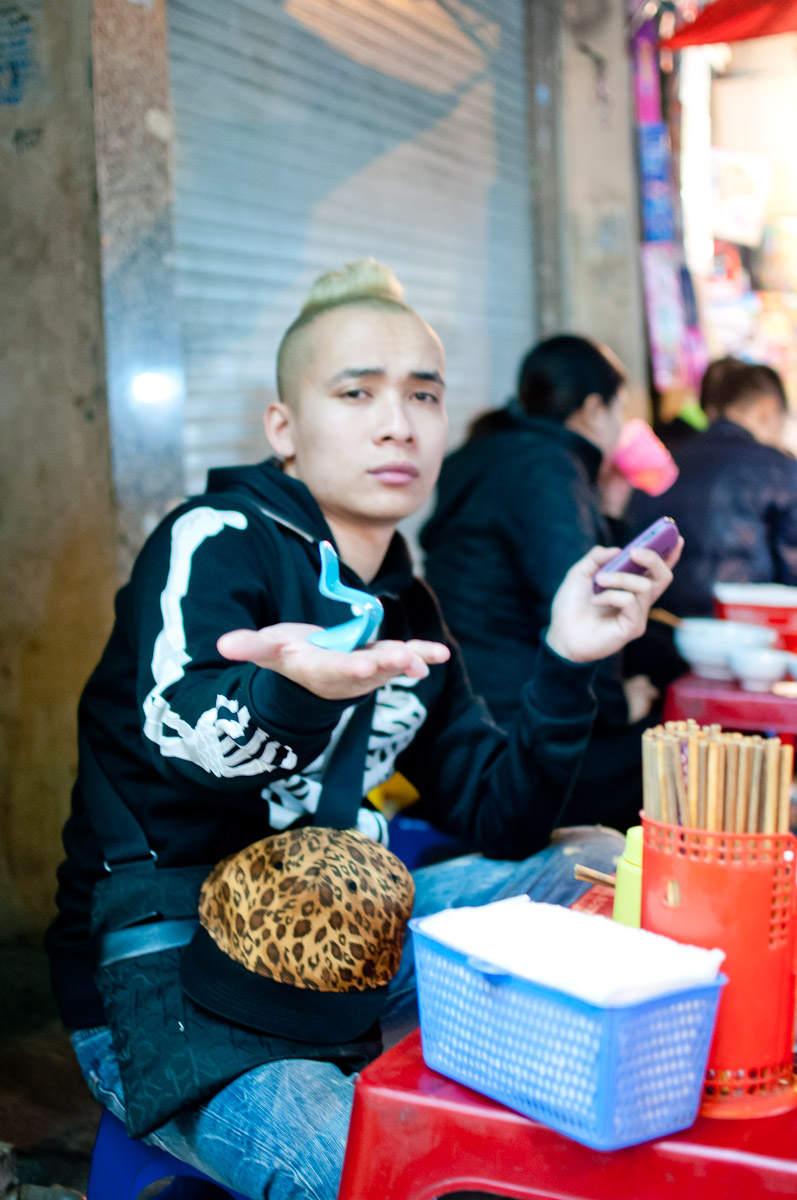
330 673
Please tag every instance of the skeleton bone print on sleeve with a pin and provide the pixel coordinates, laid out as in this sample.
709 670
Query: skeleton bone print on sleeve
398 715
223 741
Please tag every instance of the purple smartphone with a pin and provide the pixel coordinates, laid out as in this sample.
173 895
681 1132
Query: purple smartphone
662 536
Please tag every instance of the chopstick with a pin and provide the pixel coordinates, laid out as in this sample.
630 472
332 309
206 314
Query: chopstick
743 783
784 800
664 618
731 783
705 778
754 800
590 875
771 785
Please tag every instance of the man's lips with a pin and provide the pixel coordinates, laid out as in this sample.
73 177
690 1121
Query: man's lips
395 473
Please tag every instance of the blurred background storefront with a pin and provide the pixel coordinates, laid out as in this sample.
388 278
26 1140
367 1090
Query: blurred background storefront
716 109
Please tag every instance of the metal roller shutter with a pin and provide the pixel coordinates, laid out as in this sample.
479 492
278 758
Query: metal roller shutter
311 132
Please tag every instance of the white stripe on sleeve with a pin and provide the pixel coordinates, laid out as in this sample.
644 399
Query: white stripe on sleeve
222 742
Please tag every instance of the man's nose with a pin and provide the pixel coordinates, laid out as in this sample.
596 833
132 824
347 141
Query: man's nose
395 421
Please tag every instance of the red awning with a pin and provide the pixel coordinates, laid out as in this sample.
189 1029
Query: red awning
735 21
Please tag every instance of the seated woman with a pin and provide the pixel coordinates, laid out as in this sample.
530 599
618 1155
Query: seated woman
517 505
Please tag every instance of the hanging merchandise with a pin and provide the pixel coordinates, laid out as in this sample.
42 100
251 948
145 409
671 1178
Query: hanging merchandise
677 351
737 109
740 185
658 220
664 303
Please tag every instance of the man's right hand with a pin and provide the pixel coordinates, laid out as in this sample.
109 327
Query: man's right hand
284 648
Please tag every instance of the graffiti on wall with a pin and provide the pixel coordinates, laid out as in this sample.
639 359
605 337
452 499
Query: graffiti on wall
19 67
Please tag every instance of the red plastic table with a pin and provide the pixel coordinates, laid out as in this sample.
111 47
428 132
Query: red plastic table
712 701
415 1135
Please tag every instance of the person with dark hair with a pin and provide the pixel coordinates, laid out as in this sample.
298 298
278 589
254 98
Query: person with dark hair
754 395
712 385
735 498
568 380
695 416
517 505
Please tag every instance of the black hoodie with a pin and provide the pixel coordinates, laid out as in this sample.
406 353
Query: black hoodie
212 755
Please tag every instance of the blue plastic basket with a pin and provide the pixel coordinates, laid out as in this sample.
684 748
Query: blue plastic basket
607 1077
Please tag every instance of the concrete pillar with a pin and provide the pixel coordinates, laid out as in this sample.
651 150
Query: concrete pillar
57 519
544 57
603 292
142 337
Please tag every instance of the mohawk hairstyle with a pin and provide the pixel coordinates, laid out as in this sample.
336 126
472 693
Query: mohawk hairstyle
363 282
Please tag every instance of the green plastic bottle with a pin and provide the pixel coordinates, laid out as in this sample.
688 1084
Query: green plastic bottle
628 888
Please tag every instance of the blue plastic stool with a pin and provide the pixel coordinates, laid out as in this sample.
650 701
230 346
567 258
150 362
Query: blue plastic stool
121 1168
419 844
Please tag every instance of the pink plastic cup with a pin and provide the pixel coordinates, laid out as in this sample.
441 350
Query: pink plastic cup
644 459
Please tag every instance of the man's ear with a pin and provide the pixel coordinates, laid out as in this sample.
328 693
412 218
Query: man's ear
278 424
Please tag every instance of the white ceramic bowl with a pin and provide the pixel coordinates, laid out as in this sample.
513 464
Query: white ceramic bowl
706 643
757 669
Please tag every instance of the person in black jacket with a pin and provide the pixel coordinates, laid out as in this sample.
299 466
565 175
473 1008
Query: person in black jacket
517 505
695 418
211 716
735 498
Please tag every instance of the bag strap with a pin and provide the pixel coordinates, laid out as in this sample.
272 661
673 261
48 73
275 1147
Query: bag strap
248 502
342 784
123 841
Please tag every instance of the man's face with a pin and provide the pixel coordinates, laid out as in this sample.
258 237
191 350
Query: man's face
366 425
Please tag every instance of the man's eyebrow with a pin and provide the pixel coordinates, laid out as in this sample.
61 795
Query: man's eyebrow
356 373
379 372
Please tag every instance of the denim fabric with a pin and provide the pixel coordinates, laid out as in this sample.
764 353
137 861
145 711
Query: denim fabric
279 1131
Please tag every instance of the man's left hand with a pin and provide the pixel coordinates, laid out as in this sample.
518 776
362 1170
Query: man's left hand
586 626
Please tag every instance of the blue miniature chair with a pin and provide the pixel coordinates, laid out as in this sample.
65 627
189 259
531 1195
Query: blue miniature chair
367 610
121 1168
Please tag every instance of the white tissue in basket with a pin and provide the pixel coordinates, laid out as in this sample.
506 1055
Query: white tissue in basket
578 953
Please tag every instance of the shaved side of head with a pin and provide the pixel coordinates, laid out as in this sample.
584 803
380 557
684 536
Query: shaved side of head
361 284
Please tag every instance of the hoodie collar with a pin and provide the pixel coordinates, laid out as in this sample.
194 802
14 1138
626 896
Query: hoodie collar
267 486
585 450
725 428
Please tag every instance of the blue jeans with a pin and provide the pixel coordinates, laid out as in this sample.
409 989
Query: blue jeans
279 1131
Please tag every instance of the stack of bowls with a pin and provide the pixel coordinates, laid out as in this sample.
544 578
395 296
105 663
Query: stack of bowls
732 650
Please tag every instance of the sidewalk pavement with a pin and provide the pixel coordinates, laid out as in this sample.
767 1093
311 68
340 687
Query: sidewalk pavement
48 1118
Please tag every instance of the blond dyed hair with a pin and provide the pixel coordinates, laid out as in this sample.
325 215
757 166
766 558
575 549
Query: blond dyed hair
364 282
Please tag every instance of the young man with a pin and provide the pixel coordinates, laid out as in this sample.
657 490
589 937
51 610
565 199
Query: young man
211 717
735 498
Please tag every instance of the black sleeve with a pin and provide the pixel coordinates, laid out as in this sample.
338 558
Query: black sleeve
784 527
548 538
218 723
503 792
